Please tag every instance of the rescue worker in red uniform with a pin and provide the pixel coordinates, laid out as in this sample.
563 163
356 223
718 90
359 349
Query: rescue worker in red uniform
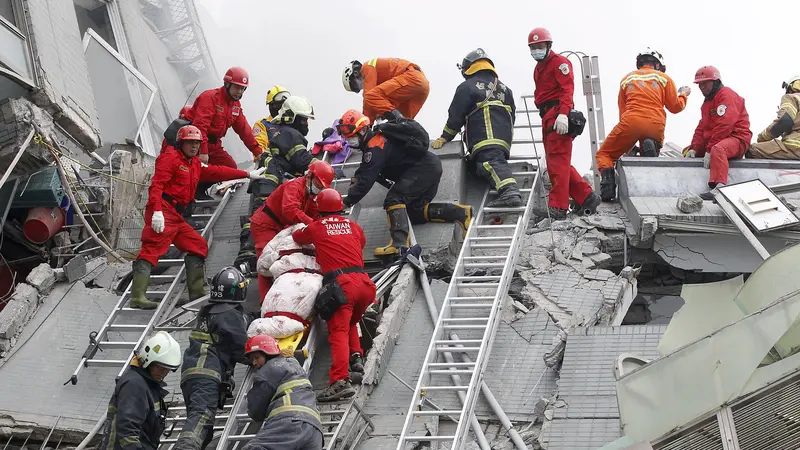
392 87
290 204
172 187
724 129
216 110
555 85
338 243
415 175
283 398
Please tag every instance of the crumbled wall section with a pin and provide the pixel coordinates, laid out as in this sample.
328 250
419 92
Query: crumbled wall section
65 89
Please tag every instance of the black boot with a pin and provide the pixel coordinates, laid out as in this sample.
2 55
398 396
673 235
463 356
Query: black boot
650 148
398 231
608 185
449 213
590 205
246 259
356 363
556 213
507 197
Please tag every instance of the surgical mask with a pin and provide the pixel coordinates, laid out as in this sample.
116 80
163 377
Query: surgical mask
538 53
354 141
314 189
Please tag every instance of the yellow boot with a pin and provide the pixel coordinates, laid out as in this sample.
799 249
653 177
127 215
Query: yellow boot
398 231
449 212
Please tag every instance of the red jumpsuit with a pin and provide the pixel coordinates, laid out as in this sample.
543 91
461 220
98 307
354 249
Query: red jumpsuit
177 177
393 83
339 243
290 205
554 87
213 113
724 130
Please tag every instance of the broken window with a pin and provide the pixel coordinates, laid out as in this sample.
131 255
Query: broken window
93 14
15 56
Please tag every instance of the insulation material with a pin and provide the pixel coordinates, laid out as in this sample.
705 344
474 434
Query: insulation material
282 253
277 327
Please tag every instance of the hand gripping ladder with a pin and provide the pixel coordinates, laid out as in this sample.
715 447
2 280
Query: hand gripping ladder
472 308
128 322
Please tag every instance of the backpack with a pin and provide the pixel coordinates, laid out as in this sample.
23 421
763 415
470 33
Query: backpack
407 133
171 133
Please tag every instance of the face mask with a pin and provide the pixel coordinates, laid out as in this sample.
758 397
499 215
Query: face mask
314 190
538 53
302 128
354 141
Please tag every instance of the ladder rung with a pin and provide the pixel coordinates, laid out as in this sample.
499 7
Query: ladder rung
480 258
227 406
458 299
483 265
125 327
516 209
202 216
463 327
472 305
486 227
490 238
442 412
444 388
170 262
464 319
106 362
241 437
479 278
455 364
522 174
330 423
458 341
526 190
116 344
478 285
206 203
332 412
457 349
163 277
478 246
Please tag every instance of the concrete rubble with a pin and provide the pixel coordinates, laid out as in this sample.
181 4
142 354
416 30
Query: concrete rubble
17 312
42 277
689 203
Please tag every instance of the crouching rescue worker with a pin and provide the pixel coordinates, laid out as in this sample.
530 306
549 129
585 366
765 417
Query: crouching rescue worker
555 85
137 411
643 95
172 188
171 133
290 204
781 139
413 169
724 129
485 108
215 346
282 397
393 87
347 293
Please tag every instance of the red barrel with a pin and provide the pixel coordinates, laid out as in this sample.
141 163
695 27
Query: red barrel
43 223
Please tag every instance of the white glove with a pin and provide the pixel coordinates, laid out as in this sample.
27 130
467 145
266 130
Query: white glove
157 222
204 158
707 160
685 90
562 124
256 174
691 154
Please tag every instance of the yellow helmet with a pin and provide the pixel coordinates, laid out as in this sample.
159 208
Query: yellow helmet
277 93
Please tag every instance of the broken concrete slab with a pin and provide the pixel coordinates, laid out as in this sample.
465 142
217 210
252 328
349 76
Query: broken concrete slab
689 203
106 278
604 222
600 260
42 277
648 228
16 314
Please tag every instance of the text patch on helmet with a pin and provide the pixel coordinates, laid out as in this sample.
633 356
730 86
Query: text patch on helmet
367 157
721 110
564 68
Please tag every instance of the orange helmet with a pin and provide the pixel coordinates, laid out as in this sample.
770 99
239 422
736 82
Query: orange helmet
184 111
539 34
329 201
322 171
263 343
189 133
351 123
706 73
237 75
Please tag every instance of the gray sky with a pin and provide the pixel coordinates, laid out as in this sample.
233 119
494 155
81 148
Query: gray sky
304 45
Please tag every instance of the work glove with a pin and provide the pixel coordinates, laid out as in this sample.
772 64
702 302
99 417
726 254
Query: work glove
204 158
256 174
690 154
684 90
157 222
707 160
326 133
438 143
562 124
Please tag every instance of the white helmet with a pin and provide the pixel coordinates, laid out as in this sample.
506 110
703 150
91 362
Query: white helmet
347 74
161 349
792 84
295 106
655 54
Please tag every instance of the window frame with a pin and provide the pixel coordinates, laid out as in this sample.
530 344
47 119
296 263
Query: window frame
22 33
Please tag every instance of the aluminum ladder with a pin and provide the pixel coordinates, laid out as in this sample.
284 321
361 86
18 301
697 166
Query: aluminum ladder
135 324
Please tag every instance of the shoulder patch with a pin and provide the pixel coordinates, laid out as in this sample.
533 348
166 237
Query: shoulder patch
721 110
366 157
256 130
564 68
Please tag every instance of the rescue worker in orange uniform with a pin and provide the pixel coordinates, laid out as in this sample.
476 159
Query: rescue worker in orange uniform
643 95
290 204
392 87
786 127
172 187
216 110
553 98
724 129
338 242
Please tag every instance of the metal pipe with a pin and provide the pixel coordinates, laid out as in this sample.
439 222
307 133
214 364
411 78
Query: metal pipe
44 443
16 159
425 399
733 216
93 432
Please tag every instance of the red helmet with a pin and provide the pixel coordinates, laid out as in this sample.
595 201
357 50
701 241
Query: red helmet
539 34
184 111
322 171
263 343
351 123
237 75
329 201
706 73
189 133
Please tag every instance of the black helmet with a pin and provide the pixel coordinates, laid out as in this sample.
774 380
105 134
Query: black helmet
473 56
228 286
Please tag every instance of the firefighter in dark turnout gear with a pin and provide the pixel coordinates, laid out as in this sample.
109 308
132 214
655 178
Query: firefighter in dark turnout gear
215 346
137 411
485 107
282 397
415 176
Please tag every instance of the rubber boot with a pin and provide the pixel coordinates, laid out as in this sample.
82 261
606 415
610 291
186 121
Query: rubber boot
556 213
650 148
246 259
141 279
195 277
449 212
356 363
398 231
608 185
507 197
590 205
